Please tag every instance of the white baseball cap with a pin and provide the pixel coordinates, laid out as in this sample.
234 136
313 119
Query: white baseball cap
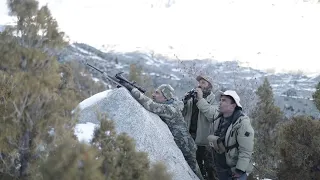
234 95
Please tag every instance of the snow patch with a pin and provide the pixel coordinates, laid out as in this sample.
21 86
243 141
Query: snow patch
97 58
176 70
310 89
127 56
95 79
150 63
157 65
80 49
287 80
257 76
229 71
118 66
313 75
246 70
293 97
174 77
93 99
83 74
51 132
84 132
301 80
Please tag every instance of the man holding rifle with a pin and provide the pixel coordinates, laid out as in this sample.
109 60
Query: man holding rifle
169 110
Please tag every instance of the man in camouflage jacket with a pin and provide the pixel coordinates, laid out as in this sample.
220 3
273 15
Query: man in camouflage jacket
169 110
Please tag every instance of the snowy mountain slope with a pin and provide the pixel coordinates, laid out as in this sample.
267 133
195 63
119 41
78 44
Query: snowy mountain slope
181 74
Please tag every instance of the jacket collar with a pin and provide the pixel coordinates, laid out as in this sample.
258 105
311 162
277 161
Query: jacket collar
170 101
235 116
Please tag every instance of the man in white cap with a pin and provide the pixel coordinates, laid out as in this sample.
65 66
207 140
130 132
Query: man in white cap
199 111
232 139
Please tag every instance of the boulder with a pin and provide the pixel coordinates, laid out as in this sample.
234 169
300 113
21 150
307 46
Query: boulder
150 133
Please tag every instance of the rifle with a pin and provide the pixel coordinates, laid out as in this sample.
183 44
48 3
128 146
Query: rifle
118 79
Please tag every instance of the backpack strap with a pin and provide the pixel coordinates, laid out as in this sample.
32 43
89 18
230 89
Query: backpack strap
228 148
212 124
236 145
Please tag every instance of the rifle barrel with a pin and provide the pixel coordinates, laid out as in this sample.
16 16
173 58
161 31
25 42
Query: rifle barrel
95 68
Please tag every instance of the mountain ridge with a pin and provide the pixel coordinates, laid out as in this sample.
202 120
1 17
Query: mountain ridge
291 91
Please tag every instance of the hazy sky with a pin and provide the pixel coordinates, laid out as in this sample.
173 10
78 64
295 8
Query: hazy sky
282 34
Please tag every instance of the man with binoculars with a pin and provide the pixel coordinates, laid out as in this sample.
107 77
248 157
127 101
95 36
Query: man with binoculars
199 111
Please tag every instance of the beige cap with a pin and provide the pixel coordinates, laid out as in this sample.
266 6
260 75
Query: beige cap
166 90
207 78
234 95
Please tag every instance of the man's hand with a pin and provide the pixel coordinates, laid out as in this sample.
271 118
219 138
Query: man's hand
236 176
238 173
199 93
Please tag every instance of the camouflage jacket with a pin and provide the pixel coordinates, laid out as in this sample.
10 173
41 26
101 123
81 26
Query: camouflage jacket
169 113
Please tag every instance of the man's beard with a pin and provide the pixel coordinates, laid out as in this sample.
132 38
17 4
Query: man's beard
206 91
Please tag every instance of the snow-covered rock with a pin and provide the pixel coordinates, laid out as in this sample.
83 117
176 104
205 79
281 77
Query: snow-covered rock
149 131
